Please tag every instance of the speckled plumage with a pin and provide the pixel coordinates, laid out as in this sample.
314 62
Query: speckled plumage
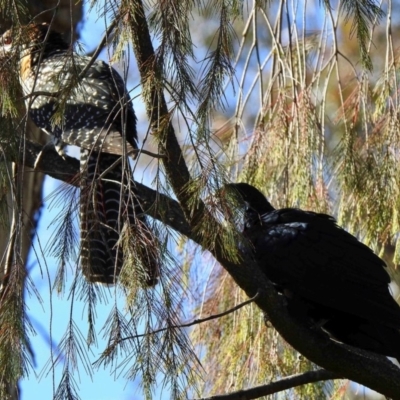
98 112
95 113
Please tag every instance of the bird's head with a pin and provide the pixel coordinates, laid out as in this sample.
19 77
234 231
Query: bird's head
21 48
251 196
33 40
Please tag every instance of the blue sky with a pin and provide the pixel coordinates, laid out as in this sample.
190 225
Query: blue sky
51 311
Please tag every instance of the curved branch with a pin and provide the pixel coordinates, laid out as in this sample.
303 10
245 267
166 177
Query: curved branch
274 387
368 369
196 321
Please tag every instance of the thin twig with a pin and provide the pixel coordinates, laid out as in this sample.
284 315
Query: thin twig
148 153
196 321
40 93
98 50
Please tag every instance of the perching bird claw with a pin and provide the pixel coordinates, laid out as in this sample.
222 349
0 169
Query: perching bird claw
49 146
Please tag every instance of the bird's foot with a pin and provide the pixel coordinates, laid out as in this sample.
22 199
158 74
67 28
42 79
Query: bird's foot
317 325
267 320
50 146
59 146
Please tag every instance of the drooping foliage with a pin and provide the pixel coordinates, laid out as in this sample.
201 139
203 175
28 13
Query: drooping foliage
299 99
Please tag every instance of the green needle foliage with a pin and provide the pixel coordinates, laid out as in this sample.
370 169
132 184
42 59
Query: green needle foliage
304 108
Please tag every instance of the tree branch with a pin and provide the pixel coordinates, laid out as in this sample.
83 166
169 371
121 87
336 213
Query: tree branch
368 369
274 387
156 106
67 170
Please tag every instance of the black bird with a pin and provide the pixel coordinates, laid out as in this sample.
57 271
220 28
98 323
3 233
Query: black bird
327 276
95 114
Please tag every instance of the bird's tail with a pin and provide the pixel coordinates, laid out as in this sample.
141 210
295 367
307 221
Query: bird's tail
367 335
106 207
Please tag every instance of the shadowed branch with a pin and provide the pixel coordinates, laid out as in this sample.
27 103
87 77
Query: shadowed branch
274 387
368 369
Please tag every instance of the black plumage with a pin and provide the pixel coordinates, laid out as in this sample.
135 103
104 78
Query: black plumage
327 276
88 107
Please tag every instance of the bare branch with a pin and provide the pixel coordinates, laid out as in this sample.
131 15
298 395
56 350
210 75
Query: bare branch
198 320
278 386
99 48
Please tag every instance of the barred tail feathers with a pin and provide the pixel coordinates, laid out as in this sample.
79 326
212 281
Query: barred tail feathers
102 219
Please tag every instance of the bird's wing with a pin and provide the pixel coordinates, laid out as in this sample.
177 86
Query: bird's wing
98 113
310 255
111 103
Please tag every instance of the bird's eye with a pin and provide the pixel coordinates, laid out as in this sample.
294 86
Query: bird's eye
7 40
